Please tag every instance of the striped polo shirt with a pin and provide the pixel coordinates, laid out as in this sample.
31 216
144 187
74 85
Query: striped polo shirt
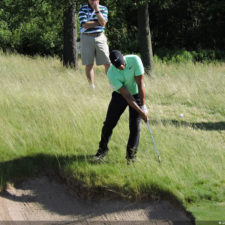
86 13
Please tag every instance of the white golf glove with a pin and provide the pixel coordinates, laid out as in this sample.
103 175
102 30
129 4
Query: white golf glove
144 108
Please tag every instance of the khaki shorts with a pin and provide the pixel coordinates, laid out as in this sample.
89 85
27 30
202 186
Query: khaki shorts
94 47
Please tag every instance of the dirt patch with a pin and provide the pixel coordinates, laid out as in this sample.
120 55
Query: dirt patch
43 199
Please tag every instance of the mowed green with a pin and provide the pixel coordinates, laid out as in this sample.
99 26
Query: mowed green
51 119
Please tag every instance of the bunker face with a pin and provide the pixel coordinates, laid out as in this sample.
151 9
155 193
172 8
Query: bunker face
42 199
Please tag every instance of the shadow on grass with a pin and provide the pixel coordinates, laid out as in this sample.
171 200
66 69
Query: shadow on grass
201 125
17 170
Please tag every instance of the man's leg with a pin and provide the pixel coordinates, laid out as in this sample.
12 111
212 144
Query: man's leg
106 68
116 107
87 56
102 52
134 125
90 74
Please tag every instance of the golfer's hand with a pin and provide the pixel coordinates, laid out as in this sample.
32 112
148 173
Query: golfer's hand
144 116
145 113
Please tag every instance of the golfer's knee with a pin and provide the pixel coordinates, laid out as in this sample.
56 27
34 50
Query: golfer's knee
109 124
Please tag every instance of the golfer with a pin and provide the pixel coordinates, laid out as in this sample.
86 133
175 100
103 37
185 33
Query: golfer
126 75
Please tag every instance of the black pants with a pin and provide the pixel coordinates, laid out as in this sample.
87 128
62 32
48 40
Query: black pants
116 108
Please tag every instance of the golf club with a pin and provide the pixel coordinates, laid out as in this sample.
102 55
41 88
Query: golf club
157 152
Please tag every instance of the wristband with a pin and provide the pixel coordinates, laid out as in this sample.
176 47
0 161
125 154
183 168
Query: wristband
97 12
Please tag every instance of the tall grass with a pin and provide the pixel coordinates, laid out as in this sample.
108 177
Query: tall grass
48 110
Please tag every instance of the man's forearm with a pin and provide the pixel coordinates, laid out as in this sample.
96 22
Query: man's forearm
99 15
131 101
90 24
141 88
101 19
142 95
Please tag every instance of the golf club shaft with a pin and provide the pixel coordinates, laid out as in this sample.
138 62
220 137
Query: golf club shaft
157 152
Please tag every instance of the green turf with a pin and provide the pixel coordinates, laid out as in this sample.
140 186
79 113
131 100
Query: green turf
50 121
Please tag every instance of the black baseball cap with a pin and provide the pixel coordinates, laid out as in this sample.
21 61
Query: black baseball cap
116 58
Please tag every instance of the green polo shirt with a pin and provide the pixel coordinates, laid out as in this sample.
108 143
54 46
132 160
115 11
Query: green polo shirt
126 77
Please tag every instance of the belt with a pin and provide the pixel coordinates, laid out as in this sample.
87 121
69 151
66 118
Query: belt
93 34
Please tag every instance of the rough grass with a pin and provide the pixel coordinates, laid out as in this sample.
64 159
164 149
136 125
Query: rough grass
51 121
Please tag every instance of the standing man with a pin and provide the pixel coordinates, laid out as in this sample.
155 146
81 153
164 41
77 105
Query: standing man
126 75
93 18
